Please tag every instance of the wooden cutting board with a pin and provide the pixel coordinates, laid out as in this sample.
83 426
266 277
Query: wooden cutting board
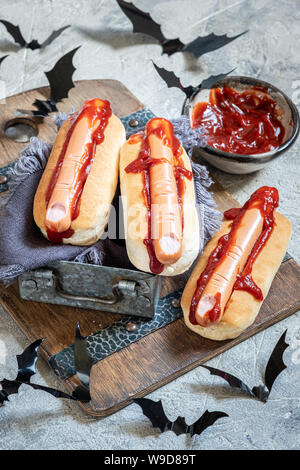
159 357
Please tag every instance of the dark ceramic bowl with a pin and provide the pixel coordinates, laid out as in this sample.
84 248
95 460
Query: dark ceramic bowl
242 164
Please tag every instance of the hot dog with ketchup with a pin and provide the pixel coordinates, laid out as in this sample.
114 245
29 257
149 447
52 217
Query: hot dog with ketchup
166 212
161 221
72 202
232 277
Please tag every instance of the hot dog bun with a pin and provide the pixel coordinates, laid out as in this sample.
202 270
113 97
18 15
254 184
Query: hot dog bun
98 190
242 307
135 215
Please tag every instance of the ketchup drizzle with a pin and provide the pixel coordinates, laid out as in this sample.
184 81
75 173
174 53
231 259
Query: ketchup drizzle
266 199
244 123
143 163
92 109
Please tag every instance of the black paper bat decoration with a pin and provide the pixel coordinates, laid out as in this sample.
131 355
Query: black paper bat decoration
274 367
83 366
60 81
173 81
15 32
143 23
155 412
27 368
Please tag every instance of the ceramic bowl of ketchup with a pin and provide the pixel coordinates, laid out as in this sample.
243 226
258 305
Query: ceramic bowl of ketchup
247 122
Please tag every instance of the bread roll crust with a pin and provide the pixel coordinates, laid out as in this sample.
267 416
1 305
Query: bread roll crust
136 221
242 308
98 190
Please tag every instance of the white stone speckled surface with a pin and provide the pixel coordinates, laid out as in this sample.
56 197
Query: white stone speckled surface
34 420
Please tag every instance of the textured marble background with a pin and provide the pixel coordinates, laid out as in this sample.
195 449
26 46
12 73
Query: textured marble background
270 50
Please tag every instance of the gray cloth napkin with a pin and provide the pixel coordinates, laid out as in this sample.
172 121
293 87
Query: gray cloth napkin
23 247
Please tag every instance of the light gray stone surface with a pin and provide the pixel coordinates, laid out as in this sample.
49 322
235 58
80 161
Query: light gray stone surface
34 420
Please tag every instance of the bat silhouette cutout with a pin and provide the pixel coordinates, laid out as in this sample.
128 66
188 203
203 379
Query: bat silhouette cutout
16 34
274 367
26 369
143 23
60 81
172 81
156 414
209 43
83 365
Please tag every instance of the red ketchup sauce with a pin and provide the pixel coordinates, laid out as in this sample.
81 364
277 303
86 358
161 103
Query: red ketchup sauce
244 123
163 129
92 110
265 199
